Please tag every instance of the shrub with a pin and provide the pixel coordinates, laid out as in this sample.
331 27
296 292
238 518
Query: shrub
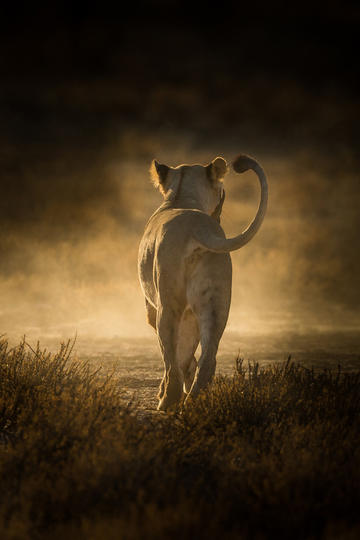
268 453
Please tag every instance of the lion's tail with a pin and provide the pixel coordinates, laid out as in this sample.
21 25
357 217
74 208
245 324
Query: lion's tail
218 244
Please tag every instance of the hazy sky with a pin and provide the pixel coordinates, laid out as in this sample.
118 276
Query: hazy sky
89 98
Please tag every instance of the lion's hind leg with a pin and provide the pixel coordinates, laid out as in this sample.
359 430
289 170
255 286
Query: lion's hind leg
167 326
210 335
189 375
209 297
150 313
207 362
188 340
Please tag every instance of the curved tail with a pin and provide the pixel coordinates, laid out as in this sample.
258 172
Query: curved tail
219 244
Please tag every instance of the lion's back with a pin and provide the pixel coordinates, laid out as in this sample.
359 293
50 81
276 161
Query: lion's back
167 250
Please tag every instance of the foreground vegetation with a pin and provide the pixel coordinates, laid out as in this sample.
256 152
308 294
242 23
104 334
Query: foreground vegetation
268 453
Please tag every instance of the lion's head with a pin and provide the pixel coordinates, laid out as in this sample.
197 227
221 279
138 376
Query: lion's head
192 186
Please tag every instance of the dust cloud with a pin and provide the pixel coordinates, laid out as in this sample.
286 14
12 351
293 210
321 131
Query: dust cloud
69 258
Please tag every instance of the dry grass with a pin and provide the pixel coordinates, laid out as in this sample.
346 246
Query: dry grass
267 453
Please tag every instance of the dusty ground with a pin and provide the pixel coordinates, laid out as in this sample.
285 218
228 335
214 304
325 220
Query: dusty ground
137 365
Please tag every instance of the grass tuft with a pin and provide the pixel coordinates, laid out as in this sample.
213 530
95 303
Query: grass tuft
267 453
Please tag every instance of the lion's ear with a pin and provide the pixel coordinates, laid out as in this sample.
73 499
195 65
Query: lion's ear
217 169
158 173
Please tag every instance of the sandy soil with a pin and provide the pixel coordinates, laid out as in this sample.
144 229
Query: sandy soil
137 365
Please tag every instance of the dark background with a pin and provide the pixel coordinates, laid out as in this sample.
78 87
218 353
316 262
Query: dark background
85 86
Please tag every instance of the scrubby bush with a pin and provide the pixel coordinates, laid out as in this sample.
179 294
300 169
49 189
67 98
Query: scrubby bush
267 453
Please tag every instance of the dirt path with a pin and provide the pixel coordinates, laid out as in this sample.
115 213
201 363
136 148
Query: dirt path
137 366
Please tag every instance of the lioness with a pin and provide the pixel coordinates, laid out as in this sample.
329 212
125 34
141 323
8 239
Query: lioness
185 270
